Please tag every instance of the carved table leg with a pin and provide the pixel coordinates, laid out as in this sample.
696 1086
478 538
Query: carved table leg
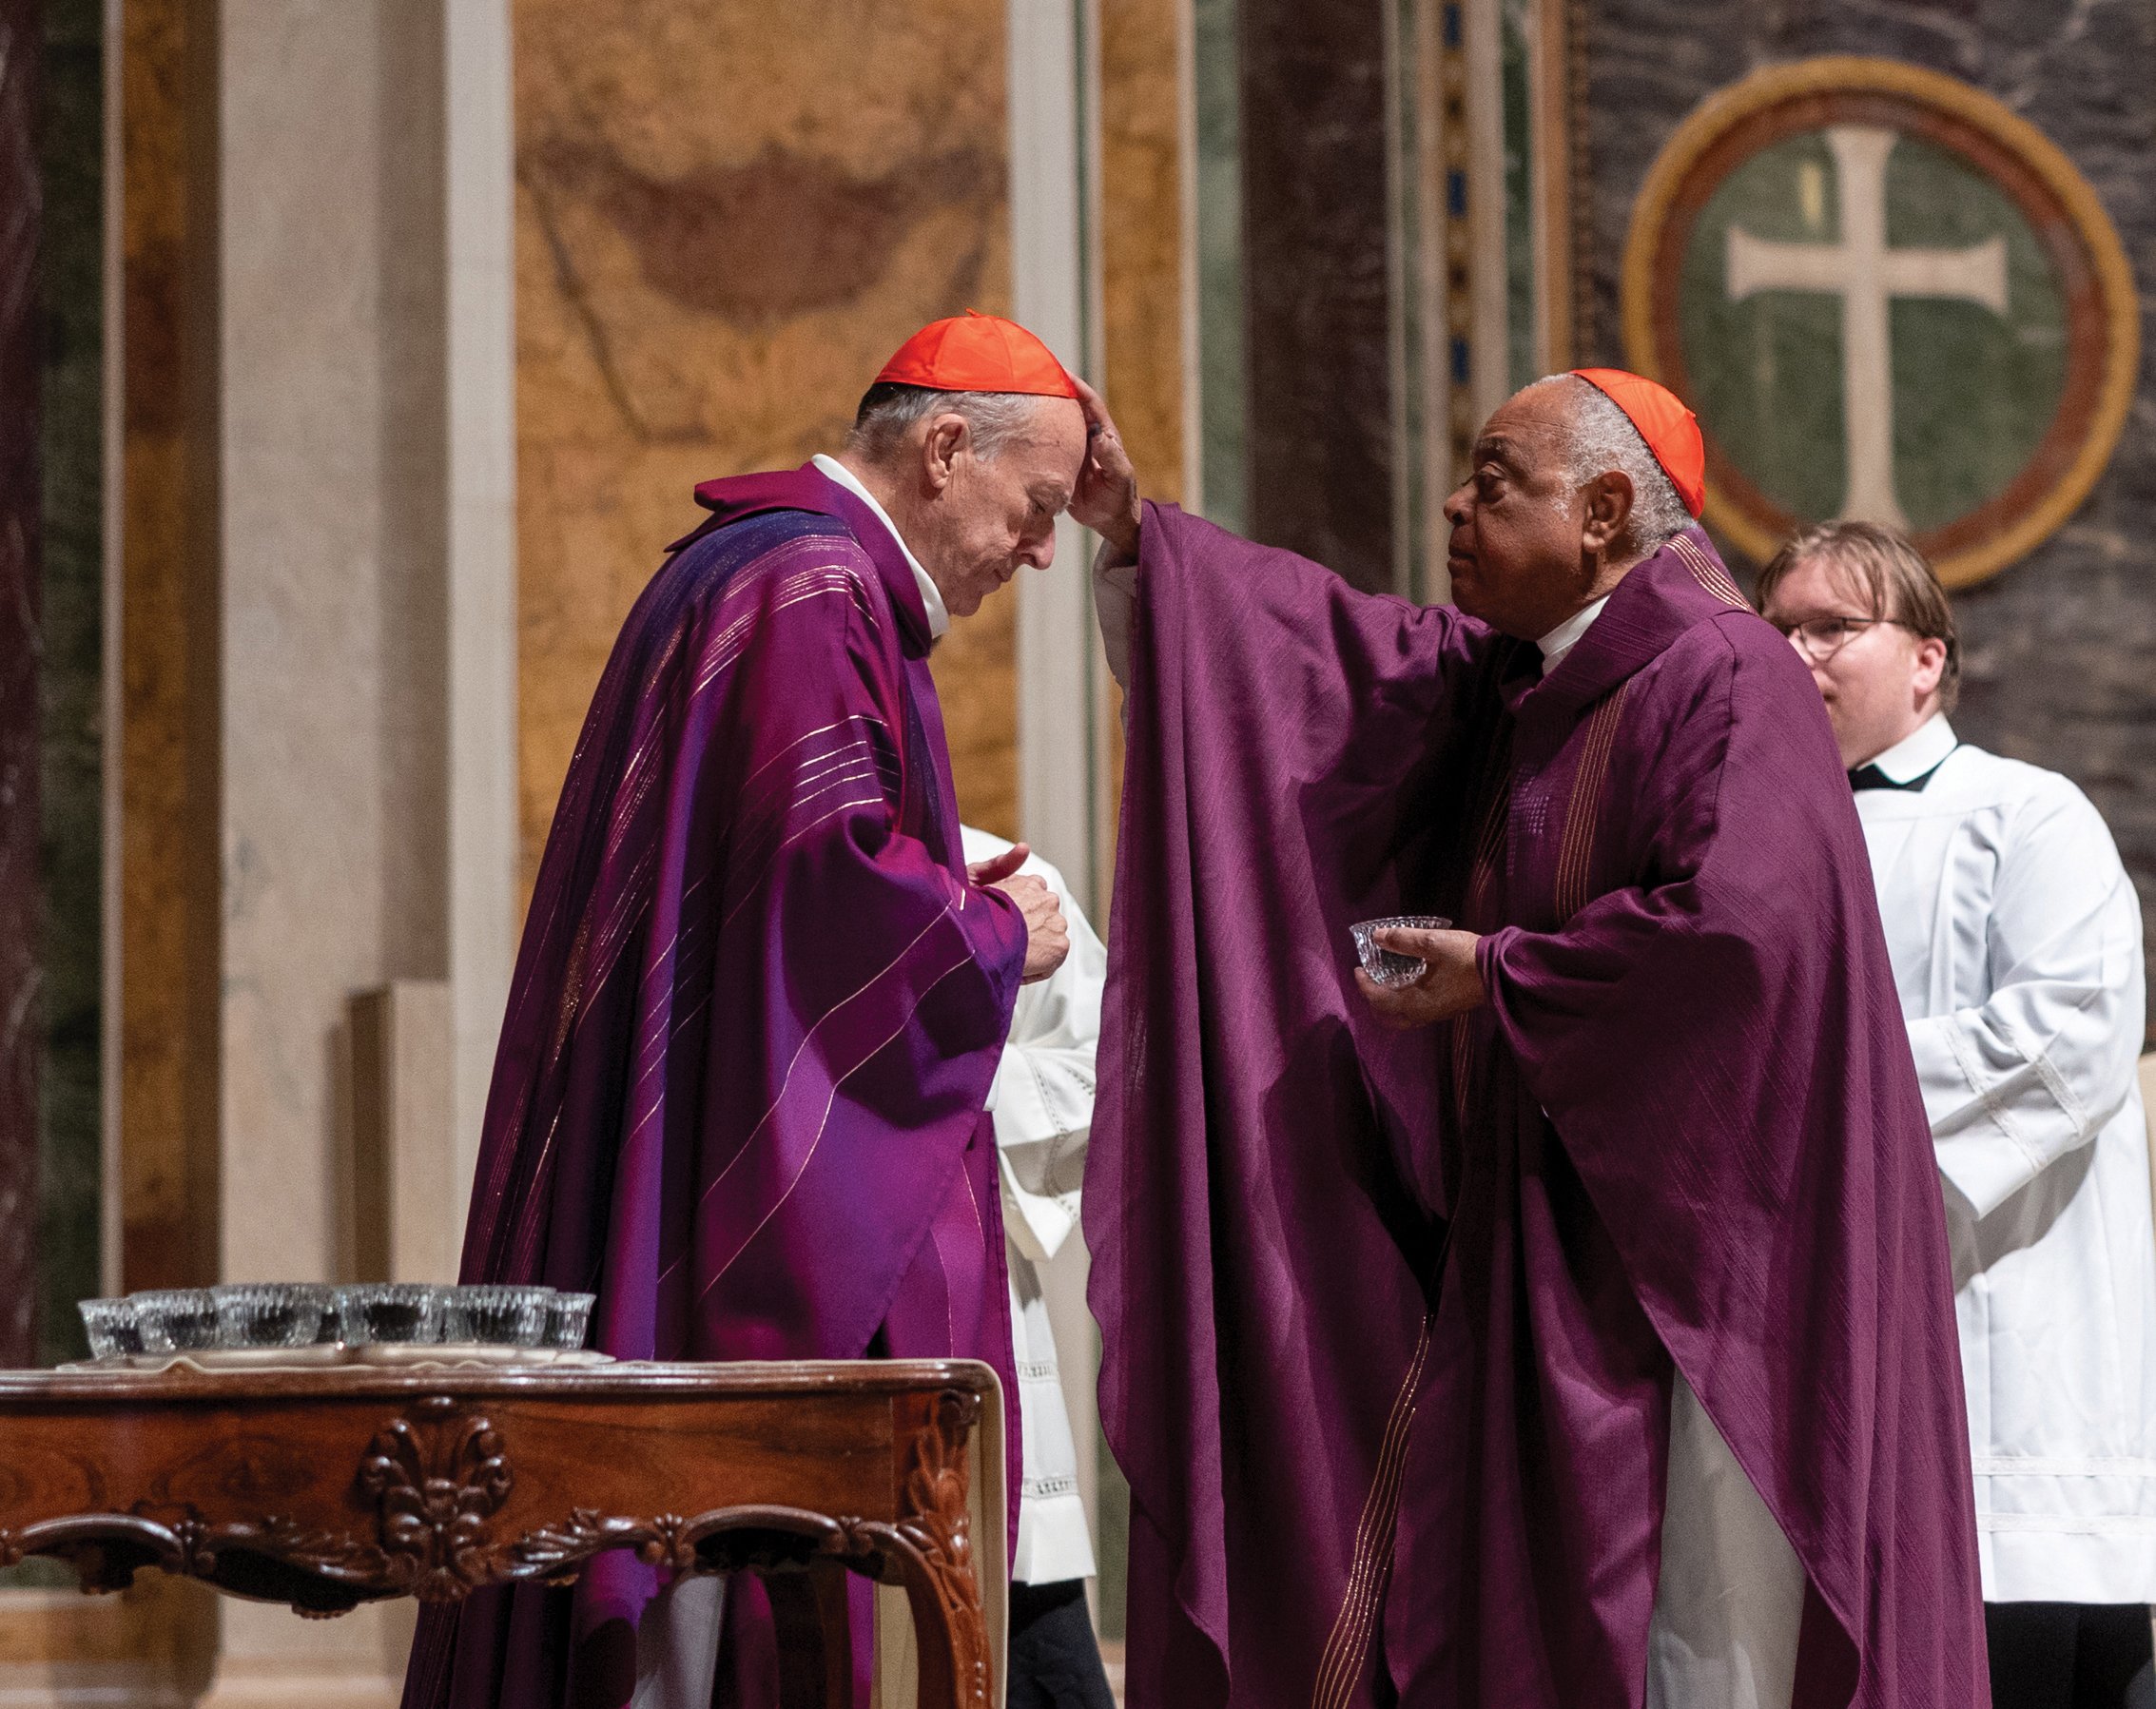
813 1623
953 1641
935 1560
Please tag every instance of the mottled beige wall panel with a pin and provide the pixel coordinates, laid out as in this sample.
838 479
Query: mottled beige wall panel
1143 257
728 215
1142 233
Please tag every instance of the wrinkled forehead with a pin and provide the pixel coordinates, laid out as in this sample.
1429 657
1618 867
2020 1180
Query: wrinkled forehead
1054 441
1529 427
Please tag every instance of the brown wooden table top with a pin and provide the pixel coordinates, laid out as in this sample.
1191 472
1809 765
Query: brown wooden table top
738 1380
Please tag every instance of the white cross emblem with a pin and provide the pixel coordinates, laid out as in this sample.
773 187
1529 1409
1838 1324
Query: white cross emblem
1867 276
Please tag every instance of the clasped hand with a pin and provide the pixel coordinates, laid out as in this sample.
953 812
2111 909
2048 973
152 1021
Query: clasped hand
1451 983
1047 939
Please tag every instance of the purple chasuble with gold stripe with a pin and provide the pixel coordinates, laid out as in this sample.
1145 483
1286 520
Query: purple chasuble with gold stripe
755 1018
1392 1320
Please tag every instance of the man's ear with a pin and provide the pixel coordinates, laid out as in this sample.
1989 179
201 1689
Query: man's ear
1609 508
948 434
1930 666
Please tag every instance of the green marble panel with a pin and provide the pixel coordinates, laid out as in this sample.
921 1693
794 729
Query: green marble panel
72 669
1518 90
1972 391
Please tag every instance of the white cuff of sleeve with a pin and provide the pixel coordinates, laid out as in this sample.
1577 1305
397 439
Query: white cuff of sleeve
1986 1169
1114 603
1970 1132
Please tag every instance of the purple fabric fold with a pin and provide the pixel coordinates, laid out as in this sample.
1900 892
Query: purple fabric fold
755 1017
1415 1301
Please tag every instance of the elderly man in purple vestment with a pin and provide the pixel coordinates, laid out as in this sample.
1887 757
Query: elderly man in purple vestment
1571 1327
761 1001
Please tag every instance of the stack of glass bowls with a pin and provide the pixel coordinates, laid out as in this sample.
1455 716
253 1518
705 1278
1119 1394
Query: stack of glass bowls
260 1318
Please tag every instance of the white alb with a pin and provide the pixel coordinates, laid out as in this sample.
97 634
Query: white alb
1042 1104
2015 936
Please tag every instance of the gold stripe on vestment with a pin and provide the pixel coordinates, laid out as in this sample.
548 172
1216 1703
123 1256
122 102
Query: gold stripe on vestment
1583 814
1709 574
1348 1647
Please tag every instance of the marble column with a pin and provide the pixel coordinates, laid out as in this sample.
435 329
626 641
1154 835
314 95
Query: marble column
1148 236
161 752
1052 146
21 49
362 608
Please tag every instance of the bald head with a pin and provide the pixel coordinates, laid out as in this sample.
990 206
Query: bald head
1563 498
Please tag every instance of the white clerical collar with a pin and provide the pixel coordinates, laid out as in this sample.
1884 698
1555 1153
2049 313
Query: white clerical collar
1919 752
938 619
1562 639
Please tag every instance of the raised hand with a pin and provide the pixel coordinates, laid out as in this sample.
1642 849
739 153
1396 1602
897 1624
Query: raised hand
1451 983
1107 497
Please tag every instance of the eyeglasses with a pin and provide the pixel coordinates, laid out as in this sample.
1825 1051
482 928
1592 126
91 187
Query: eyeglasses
1819 638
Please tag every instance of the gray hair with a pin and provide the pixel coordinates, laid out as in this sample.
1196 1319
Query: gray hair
1603 442
888 412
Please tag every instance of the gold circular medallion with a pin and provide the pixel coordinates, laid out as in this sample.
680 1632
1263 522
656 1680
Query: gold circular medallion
1888 297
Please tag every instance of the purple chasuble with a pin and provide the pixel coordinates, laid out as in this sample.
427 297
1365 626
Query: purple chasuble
1389 1320
756 1013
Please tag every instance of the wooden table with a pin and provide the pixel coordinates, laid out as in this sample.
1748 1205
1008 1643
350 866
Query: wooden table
330 1486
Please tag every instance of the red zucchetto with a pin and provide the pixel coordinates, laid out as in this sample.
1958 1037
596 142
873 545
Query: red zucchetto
978 353
1672 431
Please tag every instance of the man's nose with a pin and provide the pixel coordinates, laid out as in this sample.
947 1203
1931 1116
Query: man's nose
1455 507
1041 553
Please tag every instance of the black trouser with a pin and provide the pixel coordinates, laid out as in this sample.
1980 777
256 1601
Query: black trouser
2068 1655
1055 1660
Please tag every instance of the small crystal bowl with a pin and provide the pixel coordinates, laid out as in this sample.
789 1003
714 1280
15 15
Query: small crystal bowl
1385 966
374 1313
111 1326
496 1315
253 1315
568 1318
176 1320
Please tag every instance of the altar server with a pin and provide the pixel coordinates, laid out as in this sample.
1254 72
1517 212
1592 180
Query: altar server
2016 942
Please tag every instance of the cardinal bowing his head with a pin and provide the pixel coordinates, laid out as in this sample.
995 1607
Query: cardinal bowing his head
741 1087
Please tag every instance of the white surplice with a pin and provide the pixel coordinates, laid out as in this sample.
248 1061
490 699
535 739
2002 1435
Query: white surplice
1042 1103
2015 935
